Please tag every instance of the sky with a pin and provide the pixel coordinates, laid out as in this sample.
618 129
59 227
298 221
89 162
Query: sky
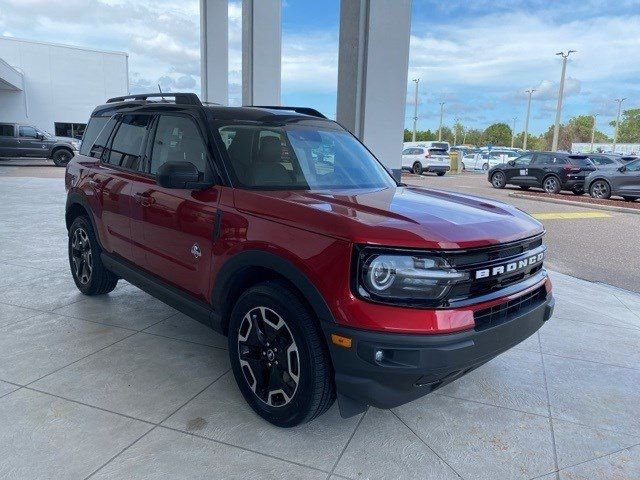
478 56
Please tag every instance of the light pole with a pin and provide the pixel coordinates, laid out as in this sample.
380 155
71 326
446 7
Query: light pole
513 131
455 131
440 127
415 110
615 135
593 130
556 128
526 121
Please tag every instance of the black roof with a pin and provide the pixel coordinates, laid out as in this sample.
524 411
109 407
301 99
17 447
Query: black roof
189 101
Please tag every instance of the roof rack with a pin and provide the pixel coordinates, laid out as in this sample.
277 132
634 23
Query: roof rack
303 110
179 98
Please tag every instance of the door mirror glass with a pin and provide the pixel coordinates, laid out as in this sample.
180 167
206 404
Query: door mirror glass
180 175
511 163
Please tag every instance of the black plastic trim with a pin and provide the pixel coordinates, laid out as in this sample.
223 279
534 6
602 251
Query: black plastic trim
172 296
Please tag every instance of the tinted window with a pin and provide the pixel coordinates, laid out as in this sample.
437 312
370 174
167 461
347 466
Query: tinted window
549 159
580 161
440 145
300 156
523 160
601 160
177 140
28 132
406 151
96 124
102 141
6 131
126 146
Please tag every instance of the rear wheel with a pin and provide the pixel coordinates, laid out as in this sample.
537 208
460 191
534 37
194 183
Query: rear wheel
417 168
498 180
485 166
62 157
89 274
440 174
629 199
551 184
600 189
278 355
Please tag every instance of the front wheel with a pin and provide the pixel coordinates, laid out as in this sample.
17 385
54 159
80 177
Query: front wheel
278 355
498 180
578 191
485 166
417 168
600 189
440 174
62 157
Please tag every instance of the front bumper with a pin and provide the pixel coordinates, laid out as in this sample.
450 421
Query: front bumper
414 365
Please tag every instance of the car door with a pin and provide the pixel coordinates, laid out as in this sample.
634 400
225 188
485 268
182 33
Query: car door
8 140
29 142
406 158
628 181
517 171
120 154
174 229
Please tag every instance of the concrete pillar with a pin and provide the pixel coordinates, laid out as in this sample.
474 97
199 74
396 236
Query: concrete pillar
372 74
214 51
261 52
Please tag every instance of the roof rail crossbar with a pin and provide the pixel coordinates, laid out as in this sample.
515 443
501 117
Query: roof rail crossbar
179 98
303 110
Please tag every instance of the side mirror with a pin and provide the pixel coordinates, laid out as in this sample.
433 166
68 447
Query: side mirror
40 136
179 175
623 168
511 163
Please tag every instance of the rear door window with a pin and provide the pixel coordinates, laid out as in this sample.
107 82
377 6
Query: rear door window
96 124
126 147
7 131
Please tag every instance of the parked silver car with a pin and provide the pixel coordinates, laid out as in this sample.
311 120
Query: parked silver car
623 181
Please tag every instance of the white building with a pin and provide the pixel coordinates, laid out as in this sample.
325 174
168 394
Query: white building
55 87
624 148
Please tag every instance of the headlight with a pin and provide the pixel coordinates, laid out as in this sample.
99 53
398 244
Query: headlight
406 277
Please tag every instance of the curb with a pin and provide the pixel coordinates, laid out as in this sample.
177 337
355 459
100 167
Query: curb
594 206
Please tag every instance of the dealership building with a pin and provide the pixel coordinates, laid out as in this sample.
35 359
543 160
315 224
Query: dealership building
55 87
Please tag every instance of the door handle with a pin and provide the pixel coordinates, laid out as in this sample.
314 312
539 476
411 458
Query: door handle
144 200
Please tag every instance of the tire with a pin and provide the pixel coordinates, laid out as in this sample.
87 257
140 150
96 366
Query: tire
525 187
62 157
89 274
578 191
440 174
600 189
485 167
417 168
463 166
551 184
629 199
498 180
252 346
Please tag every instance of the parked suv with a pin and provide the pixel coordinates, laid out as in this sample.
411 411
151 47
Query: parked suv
551 171
28 141
426 159
278 228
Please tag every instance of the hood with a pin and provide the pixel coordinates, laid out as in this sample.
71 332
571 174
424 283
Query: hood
401 217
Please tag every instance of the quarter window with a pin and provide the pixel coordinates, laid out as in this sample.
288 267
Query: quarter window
177 139
126 147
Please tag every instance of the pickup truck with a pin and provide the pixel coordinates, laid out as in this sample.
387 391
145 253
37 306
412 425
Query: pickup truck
17 140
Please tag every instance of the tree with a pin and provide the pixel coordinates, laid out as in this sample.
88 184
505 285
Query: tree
629 130
498 134
473 136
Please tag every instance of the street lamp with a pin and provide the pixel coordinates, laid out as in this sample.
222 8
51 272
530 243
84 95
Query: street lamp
513 131
455 131
440 127
526 121
415 110
556 128
615 135
593 130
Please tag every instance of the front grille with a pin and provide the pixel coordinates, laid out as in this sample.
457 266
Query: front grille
492 316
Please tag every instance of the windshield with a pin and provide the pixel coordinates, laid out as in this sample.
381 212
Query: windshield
302 156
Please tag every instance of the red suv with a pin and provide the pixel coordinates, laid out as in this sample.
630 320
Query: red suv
279 229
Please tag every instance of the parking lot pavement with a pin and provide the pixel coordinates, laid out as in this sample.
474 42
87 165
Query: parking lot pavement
595 245
122 386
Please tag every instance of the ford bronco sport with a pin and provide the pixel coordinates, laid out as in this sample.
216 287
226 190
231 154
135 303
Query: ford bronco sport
277 228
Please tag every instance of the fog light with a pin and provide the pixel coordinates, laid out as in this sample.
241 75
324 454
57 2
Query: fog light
379 355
